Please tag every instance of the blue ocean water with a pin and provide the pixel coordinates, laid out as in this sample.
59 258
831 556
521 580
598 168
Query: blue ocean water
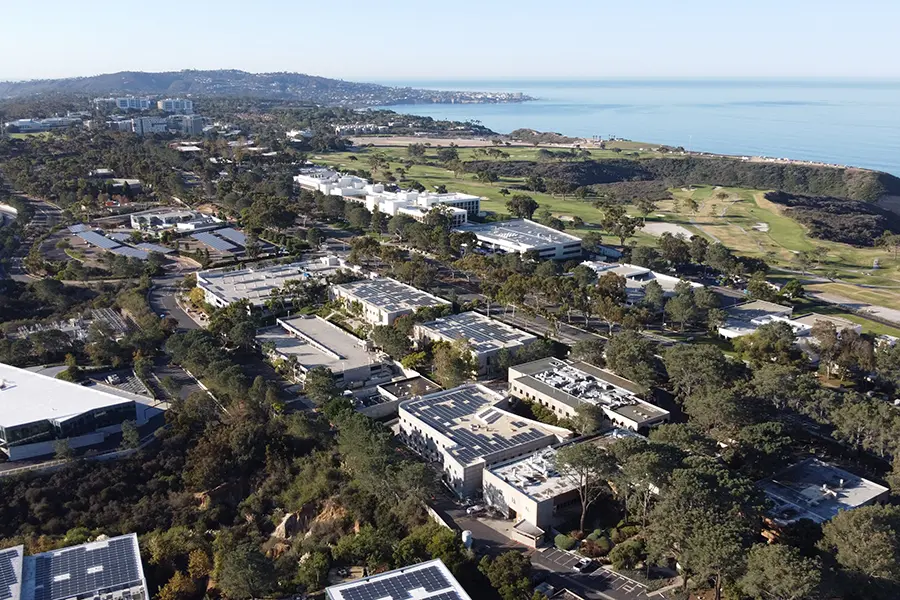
851 122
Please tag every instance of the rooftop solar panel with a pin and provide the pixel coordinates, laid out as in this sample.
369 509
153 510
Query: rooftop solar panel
232 235
78 228
95 239
154 248
214 242
10 572
119 236
426 581
88 570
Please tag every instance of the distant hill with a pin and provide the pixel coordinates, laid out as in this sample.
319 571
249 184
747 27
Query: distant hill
283 86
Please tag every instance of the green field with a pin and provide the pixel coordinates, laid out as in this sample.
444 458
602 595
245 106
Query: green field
742 219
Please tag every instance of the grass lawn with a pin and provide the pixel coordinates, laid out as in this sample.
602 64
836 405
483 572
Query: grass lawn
742 219
23 136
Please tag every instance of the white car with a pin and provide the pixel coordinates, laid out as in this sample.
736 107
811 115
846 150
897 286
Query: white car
474 510
582 565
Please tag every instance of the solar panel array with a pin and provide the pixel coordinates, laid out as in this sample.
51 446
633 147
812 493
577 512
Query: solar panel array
154 248
9 574
95 239
214 242
119 236
232 235
79 571
391 295
444 412
130 252
483 333
400 586
78 228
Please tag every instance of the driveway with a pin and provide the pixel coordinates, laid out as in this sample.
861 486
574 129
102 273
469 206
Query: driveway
600 583
162 301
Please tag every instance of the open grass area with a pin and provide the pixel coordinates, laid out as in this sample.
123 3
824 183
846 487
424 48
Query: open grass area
23 136
742 219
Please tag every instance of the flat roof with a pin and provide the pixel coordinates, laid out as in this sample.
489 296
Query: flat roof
410 387
483 333
574 383
27 397
430 580
84 571
469 417
535 474
317 343
756 309
521 233
817 491
389 294
11 573
257 283
811 319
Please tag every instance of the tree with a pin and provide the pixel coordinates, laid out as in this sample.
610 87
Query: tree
391 340
588 418
313 570
244 572
632 356
654 296
319 385
131 437
645 206
588 467
509 574
779 572
179 587
694 367
793 290
522 206
674 249
866 540
770 343
590 351
199 564
314 236
453 363
609 311
681 307
617 223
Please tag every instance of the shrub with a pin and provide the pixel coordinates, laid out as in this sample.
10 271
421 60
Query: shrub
615 534
596 548
595 535
629 531
564 542
627 555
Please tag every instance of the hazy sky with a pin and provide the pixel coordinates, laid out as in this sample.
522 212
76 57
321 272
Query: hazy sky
454 39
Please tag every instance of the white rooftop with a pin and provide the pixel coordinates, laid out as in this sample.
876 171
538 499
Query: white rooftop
521 233
256 284
27 397
317 343
389 294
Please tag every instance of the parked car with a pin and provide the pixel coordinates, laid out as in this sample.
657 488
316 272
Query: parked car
474 510
583 565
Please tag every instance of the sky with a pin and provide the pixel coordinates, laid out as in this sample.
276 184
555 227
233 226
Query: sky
393 40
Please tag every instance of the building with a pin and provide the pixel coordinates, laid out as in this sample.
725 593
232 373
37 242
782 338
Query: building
533 493
637 278
307 342
466 429
256 284
523 235
124 103
746 318
430 580
486 336
149 125
39 125
817 491
188 124
176 105
37 411
178 219
382 300
107 568
563 386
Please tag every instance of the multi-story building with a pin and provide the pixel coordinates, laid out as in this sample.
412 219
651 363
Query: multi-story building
107 568
124 103
487 337
39 125
562 386
533 492
176 105
179 220
382 300
149 125
187 124
637 278
523 235
307 342
466 429
256 284
36 412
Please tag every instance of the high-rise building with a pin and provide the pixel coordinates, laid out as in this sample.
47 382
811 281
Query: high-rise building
176 105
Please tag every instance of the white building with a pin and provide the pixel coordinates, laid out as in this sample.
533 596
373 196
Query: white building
430 580
149 125
466 429
39 125
180 220
486 336
382 300
307 342
746 318
523 235
562 386
124 103
37 411
108 568
637 278
532 492
176 105
256 284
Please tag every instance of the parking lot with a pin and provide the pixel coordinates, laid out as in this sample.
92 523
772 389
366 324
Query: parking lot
598 583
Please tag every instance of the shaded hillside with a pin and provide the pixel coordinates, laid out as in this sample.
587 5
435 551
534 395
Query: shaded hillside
284 86
838 220
854 184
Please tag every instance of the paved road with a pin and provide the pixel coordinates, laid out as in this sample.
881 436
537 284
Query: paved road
162 300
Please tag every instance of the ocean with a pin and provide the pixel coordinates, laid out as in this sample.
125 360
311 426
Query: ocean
848 122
